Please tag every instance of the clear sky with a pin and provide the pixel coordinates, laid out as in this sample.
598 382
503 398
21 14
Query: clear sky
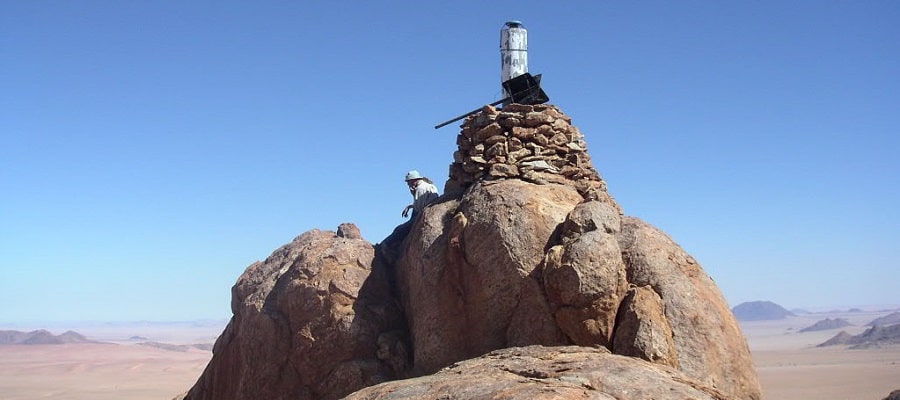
150 151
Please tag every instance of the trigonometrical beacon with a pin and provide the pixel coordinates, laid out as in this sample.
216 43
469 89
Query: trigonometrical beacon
513 52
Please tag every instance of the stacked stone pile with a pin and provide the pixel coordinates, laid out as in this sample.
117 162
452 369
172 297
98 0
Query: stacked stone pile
535 143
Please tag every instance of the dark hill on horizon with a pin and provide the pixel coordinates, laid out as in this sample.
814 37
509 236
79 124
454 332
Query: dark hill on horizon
760 311
878 335
890 319
41 336
826 324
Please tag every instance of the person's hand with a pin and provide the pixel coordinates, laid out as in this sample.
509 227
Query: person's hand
406 210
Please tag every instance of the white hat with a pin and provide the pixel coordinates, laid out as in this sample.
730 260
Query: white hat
413 175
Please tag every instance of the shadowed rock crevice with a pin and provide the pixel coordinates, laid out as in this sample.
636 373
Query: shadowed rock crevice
523 280
642 329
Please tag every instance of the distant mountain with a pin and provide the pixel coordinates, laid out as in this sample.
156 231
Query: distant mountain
827 324
875 336
890 319
841 338
760 311
41 337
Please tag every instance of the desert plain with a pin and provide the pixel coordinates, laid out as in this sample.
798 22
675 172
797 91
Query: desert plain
789 364
119 367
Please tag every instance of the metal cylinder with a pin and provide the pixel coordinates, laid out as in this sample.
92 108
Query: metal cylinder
513 52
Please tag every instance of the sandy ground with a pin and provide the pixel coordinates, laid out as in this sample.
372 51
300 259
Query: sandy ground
119 369
790 367
97 372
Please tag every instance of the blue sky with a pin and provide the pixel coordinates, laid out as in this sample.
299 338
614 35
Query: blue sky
150 151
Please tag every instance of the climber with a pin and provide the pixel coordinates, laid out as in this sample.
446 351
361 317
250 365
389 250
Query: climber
422 190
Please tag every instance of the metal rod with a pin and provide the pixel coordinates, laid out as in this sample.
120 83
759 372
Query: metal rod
438 126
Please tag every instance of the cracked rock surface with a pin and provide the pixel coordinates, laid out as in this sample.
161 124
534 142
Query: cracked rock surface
536 372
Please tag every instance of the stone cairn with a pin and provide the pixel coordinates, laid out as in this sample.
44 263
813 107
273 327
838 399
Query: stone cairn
535 143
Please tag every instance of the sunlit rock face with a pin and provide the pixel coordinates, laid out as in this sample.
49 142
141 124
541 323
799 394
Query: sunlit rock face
526 251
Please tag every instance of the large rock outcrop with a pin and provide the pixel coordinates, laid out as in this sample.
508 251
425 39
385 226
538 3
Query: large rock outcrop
307 324
525 250
515 263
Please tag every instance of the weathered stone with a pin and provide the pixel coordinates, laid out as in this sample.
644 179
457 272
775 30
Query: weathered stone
498 149
642 329
513 254
545 130
537 372
463 142
488 131
707 339
557 162
460 307
523 133
503 170
393 350
509 122
472 166
533 119
588 217
487 116
515 107
560 151
595 190
477 160
548 177
458 156
537 165
541 129
468 131
514 156
535 148
554 112
514 144
585 279
569 170
348 231
494 139
559 139
531 158
489 110
560 125
578 146
573 133
304 309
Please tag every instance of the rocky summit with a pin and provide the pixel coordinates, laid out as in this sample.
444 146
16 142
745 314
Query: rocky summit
524 280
